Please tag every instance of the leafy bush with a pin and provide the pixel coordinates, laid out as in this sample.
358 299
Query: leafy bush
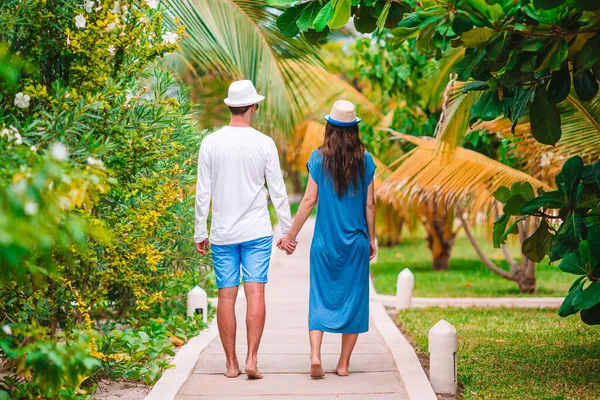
575 240
97 148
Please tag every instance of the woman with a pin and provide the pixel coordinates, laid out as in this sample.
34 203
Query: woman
341 182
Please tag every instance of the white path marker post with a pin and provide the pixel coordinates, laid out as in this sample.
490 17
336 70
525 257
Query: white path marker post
404 289
197 299
442 357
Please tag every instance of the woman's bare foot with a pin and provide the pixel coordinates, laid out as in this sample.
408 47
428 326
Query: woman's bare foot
341 370
233 369
316 370
252 370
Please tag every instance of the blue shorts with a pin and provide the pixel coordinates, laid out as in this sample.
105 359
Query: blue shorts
251 259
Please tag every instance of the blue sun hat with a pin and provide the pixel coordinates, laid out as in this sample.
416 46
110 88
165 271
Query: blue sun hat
342 113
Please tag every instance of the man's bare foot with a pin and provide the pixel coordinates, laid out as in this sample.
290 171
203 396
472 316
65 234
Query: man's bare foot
233 370
252 370
341 371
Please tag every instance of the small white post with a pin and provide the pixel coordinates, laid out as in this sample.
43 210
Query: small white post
442 357
197 299
404 289
376 258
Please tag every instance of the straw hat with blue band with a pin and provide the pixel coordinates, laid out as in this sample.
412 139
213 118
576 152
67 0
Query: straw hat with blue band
342 113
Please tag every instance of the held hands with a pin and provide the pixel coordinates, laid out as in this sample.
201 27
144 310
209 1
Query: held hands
373 251
203 247
287 244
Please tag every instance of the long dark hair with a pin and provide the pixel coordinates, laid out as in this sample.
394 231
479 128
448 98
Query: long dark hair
343 158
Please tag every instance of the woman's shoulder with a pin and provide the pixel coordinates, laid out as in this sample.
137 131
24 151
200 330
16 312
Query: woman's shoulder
368 157
316 156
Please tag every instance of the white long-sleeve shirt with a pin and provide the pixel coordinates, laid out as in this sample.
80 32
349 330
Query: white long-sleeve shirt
232 167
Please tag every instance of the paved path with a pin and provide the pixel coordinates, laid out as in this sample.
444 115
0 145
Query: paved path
283 355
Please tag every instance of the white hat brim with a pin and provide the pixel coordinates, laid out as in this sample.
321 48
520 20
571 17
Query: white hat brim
247 102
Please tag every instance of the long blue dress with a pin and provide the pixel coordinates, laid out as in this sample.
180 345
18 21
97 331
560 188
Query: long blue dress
339 255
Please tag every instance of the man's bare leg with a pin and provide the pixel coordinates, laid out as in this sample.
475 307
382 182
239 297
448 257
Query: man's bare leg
255 323
348 343
227 327
316 368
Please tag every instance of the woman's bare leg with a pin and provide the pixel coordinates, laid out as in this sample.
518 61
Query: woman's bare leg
316 369
348 343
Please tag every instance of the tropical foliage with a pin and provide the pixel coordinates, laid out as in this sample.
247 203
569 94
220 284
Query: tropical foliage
575 241
96 164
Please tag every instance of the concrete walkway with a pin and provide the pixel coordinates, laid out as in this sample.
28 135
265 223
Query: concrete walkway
284 352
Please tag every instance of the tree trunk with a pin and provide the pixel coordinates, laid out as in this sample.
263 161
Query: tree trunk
438 224
388 225
295 179
526 276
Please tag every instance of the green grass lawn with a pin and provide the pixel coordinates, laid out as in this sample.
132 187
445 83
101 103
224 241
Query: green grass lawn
516 353
467 276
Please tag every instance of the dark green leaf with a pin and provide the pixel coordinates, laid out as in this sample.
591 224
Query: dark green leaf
544 119
464 66
593 238
461 24
560 85
589 297
545 200
572 264
308 16
547 4
502 194
566 307
365 21
570 177
590 53
399 35
591 173
287 21
487 108
555 53
591 316
499 228
513 205
410 21
586 86
536 246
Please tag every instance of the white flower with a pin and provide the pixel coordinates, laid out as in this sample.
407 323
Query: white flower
128 95
22 100
34 149
98 8
6 132
80 21
31 208
546 159
64 202
152 3
95 161
59 152
89 6
51 185
170 38
111 49
116 8
7 330
111 26
18 138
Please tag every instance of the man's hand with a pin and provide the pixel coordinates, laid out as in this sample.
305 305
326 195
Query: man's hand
373 247
287 244
203 247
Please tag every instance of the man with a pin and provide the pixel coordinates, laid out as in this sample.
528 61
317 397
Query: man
233 164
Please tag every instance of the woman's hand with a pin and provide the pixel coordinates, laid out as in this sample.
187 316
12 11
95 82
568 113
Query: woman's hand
287 244
373 247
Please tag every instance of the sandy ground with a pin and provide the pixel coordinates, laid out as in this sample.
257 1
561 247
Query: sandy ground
121 390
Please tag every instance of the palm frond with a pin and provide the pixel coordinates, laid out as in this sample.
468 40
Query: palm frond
436 78
580 136
239 39
465 178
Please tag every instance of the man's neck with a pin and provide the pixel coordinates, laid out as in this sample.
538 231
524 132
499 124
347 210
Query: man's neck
239 122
